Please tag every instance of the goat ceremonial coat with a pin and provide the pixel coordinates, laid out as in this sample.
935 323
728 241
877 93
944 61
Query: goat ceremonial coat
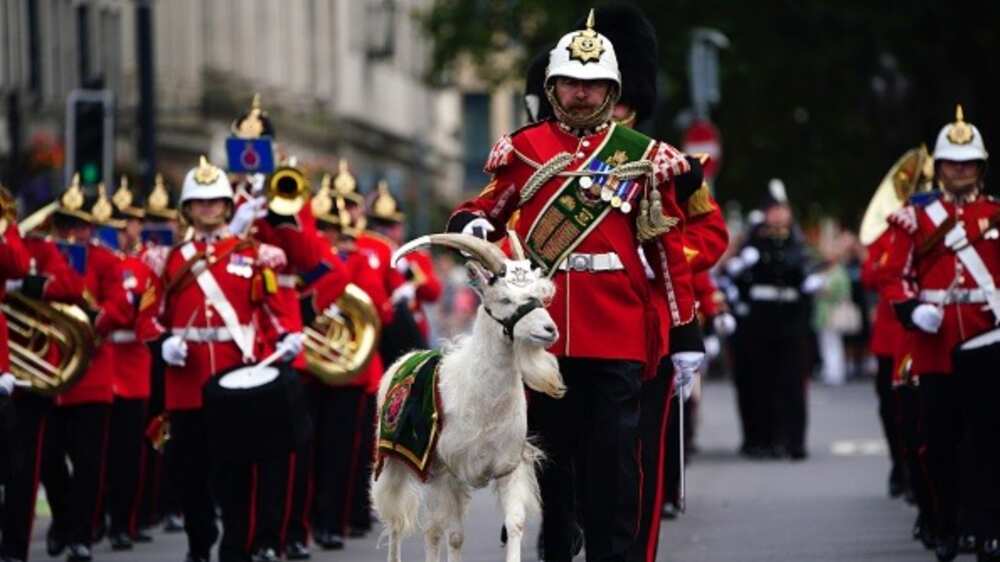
910 269
601 314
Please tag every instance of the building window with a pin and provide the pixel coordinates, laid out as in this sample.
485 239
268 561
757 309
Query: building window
476 142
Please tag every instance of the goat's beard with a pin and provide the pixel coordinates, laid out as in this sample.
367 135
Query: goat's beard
539 369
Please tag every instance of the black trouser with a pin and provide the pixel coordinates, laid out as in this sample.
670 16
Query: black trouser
590 438
777 365
31 414
361 504
888 411
654 431
77 434
338 457
158 497
304 484
190 465
126 463
912 433
251 496
981 389
941 404
746 392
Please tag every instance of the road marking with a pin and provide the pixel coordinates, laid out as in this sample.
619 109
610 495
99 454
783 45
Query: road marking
858 447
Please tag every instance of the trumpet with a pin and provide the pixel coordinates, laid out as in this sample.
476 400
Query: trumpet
340 344
287 190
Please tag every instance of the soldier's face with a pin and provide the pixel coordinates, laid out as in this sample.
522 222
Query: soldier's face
208 213
778 216
581 97
958 176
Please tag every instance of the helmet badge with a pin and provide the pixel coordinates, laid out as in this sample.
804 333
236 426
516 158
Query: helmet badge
587 45
206 174
960 131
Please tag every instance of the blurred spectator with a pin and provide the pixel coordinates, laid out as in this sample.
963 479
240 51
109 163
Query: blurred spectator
836 314
454 312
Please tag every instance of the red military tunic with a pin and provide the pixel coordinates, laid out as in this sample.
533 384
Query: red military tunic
104 293
14 262
706 236
911 275
244 271
133 360
378 250
887 332
360 271
602 314
710 300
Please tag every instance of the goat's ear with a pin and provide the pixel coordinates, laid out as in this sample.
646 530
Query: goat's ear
479 278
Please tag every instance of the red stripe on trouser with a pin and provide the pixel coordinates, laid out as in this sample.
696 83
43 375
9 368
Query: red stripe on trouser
101 475
133 514
36 479
310 494
252 510
289 495
652 541
352 471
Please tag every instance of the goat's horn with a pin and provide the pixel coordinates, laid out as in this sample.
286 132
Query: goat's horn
515 245
482 251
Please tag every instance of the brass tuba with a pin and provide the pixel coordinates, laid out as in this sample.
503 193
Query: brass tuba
339 345
51 344
910 174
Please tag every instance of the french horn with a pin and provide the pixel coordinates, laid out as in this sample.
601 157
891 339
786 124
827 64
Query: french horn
340 343
910 174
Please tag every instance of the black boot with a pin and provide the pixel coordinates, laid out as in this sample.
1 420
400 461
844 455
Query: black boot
922 532
967 544
897 484
297 550
120 541
947 549
989 551
265 555
78 552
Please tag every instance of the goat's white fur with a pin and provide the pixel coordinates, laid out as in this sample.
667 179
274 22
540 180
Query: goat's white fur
484 435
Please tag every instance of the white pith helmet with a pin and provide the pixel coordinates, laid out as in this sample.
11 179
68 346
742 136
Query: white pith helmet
205 182
960 141
584 55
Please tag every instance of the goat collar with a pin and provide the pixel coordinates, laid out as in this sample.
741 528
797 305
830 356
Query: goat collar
512 320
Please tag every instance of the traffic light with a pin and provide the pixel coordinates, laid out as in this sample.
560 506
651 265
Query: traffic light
89 131
89 150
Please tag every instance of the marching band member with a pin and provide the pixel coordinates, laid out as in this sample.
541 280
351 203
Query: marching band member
221 295
127 453
609 337
944 264
14 262
79 425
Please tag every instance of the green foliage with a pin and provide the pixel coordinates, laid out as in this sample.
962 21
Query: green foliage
823 94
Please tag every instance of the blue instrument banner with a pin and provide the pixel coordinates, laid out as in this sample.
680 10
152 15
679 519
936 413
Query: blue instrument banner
250 156
161 235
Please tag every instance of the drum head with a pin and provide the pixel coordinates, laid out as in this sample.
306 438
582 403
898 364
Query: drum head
248 377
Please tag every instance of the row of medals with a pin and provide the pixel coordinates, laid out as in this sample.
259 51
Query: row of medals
618 193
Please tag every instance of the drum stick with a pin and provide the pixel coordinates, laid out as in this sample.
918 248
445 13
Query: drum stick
682 494
270 359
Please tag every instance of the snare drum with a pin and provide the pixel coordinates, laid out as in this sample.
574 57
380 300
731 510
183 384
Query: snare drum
256 412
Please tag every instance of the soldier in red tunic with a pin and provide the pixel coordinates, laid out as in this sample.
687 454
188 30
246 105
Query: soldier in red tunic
588 193
943 263
221 298
14 260
79 425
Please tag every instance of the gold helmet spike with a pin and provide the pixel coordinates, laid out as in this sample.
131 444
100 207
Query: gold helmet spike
123 196
72 198
960 131
206 173
344 184
102 209
158 202
384 206
251 125
322 202
590 19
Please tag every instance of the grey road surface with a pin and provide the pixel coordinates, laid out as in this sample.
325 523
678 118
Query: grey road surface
832 507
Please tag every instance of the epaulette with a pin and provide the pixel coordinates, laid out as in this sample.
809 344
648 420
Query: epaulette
502 150
924 198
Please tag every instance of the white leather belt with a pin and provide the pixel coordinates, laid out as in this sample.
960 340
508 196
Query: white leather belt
122 336
288 281
206 335
592 262
957 296
773 293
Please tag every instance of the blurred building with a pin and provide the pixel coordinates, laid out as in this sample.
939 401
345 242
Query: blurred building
340 78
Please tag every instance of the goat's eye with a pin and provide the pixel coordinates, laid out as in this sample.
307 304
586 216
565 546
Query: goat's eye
505 301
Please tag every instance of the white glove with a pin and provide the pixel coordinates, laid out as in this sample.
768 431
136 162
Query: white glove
248 212
405 292
7 383
14 285
256 182
175 351
712 346
479 228
686 365
750 256
724 324
333 311
813 282
927 317
956 237
291 345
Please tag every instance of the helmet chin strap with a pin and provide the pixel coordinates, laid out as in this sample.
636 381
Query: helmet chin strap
599 116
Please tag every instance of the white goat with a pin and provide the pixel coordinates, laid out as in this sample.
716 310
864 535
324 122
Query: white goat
481 382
